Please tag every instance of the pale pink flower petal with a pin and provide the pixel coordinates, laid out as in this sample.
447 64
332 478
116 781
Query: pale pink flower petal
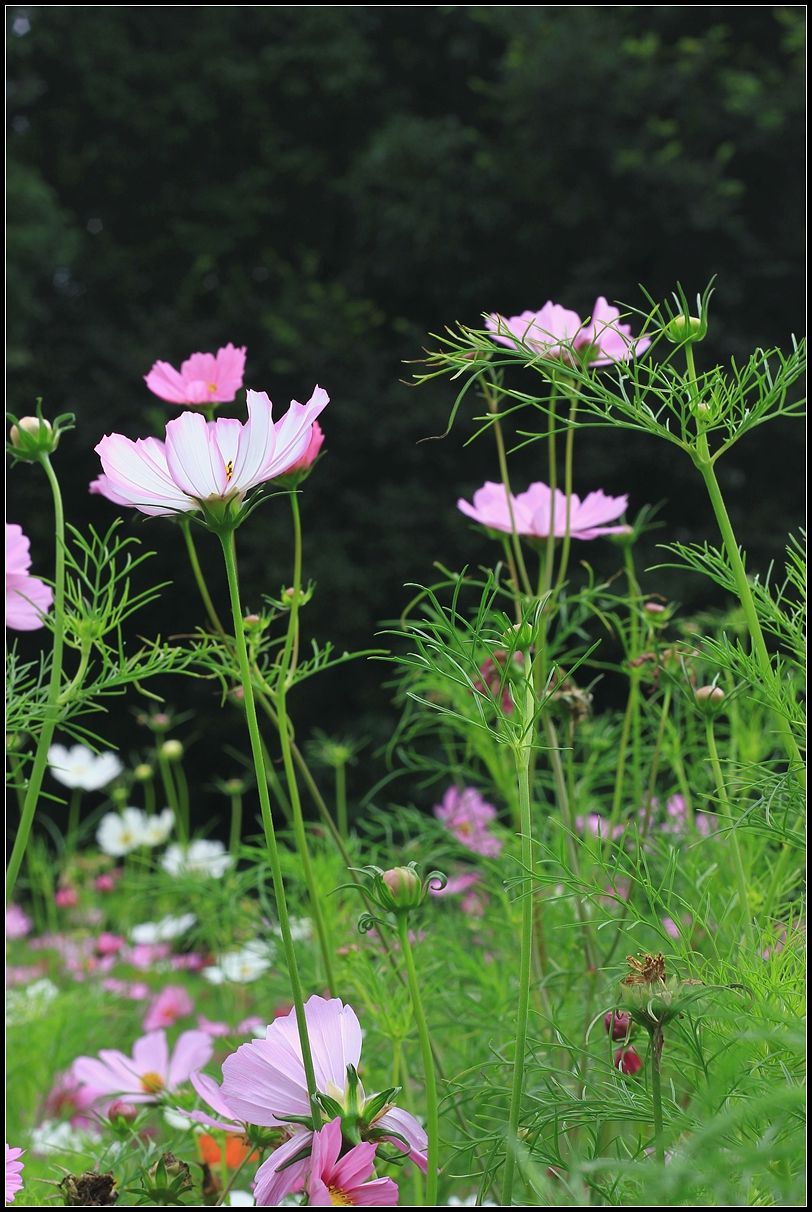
278 1175
28 598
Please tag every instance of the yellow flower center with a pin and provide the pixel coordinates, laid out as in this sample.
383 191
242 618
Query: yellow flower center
152 1083
339 1199
212 388
229 469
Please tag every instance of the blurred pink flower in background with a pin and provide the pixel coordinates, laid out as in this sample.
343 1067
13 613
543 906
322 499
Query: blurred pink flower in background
556 332
18 923
66 898
466 814
27 598
203 378
345 1180
150 1070
167 1007
206 461
71 1099
532 511
495 679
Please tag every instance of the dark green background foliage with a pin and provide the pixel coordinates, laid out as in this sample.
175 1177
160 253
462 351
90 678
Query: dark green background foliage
327 185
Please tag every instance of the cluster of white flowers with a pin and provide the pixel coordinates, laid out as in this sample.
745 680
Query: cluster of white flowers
29 1001
121 832
239 967
163 931
202 857
81 769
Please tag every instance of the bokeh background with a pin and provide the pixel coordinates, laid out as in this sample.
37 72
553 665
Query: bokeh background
327 185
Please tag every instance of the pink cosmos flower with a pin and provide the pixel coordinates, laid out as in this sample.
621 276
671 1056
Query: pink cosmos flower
203 378
151 1069
167 1007
311 454
24 974
466 814
264 1082
14 1170
532 511
345 1180
496 679
27 598
66 898
212 1094
597 826
556 332
206 461
105 882
18 923
70 1099
109 944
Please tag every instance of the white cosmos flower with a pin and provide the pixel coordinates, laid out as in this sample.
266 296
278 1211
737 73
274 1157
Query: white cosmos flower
60 1136
157 828
119 833
29 1001
301 929
81 768
164 930
241 966
241 1199
202 857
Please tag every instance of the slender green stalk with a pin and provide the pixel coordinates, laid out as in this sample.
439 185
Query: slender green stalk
52 713
214 619
525 963
183 795
552 476
73 819
286 666
149 796
432 1104
569 443
655 761
230 557
236 824
704 463
501 455
657 1096
341 799
724 803
172 797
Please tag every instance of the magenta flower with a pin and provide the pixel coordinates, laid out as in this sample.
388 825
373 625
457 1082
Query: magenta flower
14 1170
167 1007
206 462
345 1180
495 676
203 378
534 509
264 1082
466 814
151 1069
27 598
557 332
18 923
627 1061
618 1024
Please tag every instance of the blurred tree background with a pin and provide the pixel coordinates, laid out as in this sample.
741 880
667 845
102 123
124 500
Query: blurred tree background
326 185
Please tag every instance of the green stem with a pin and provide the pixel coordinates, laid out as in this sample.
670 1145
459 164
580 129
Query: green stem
73 819
522 757
214 619
236 824
172 798
230 557
552 476
724 803
657 1096
569 443
149 797
704 464
432 1104
52 713
501 455
286 667
655 762
341 800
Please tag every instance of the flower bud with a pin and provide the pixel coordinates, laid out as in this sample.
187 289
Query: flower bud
143 772
617 1024
653 607
32 437
627 1062
172 750
712 695
405 887
685 328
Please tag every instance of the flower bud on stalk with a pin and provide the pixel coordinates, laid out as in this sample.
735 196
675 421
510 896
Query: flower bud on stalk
172 750
684 329
401 889
710 699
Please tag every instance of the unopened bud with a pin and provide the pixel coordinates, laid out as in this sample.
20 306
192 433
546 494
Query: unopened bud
709 694
617 1024
653 607
685 328
32 437
143 772
172 750
405 886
